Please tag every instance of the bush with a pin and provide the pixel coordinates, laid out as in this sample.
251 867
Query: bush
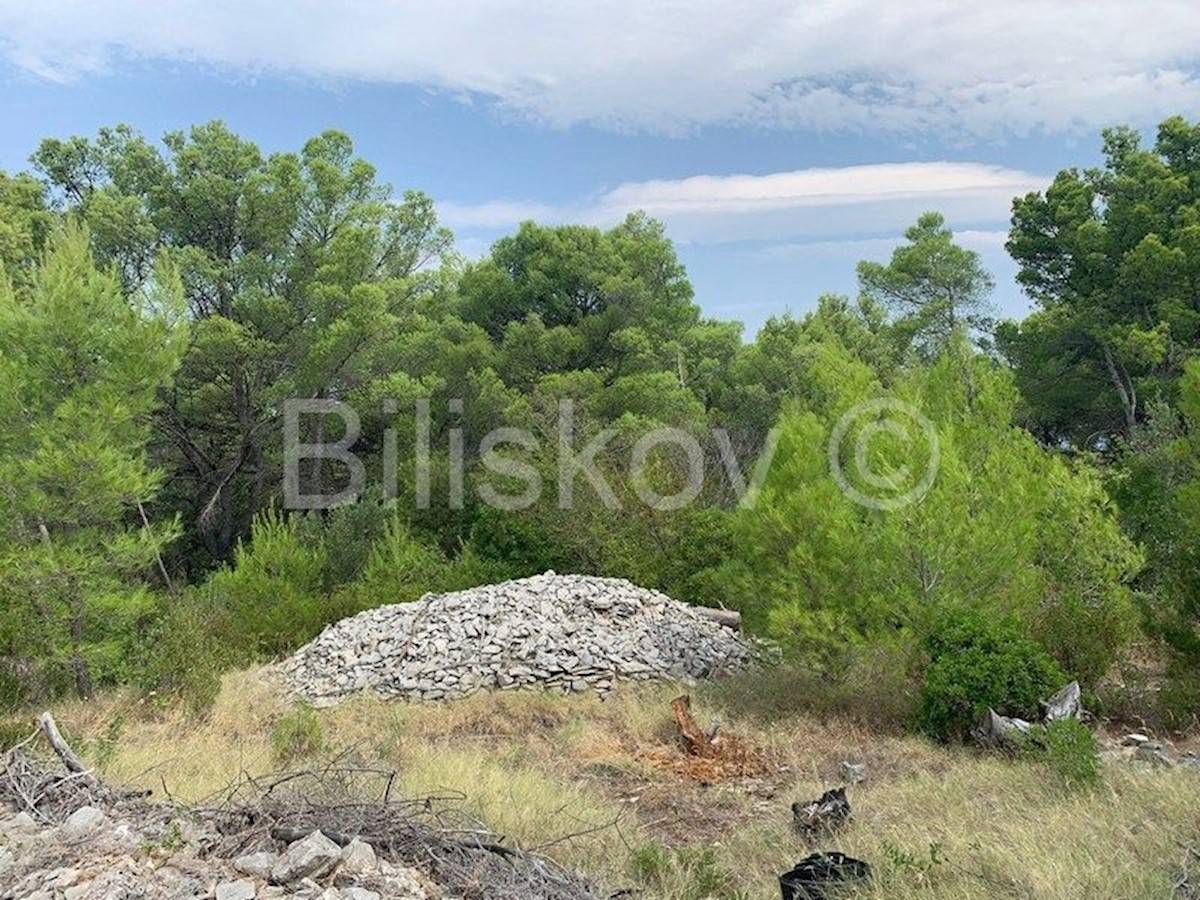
1179 701
399 568
1086 637
516 541
274 592
344 537
296 735
1069 750
975 665
191 642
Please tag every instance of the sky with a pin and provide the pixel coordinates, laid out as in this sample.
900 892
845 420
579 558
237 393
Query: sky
779 141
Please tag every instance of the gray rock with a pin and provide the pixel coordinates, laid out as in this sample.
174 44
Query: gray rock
257 865
21 823
83 823
1152 753
310 857
402 883
236 890
853 773
358 858
64 878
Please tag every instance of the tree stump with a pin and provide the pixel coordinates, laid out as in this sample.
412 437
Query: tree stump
695 739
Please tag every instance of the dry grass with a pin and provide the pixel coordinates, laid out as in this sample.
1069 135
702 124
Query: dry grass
540 767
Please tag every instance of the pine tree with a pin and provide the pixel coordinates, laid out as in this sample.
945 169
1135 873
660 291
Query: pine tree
81 365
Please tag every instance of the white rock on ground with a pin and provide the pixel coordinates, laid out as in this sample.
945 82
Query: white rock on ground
82 823
569 632
236 890
256 865
310 857
358 858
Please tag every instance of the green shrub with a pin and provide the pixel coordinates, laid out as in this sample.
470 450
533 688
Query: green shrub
1179 700
298 734
399 568
976 664
914 867
274 594
1069 750
516 541
1086 637
192 641
344 537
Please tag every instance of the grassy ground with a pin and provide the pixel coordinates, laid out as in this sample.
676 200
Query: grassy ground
935 822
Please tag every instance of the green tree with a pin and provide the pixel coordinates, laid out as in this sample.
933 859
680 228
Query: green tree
81 368
1112 256
296 268
933 287
1157 485
623 291
1003 525
25 223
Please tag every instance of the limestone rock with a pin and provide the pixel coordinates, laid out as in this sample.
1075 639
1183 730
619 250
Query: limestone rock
310 857
358 858
236 890
570 632
82 823
853 773
256 865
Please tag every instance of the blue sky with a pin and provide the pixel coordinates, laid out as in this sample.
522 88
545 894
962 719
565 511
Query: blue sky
779 141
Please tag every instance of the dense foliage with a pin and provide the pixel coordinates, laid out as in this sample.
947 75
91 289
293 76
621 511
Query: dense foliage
162 304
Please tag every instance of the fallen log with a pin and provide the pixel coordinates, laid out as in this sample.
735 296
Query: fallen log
1066 704
1002 731
727 617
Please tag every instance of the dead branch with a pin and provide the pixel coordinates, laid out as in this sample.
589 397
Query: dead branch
49 728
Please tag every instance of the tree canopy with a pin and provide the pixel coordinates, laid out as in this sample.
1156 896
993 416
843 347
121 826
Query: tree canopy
162 304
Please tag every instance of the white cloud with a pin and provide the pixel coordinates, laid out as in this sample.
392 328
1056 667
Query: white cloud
982 240
494 214
924 65
853 248
807 203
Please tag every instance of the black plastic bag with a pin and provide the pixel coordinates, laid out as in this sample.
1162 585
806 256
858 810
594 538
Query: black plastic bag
816 874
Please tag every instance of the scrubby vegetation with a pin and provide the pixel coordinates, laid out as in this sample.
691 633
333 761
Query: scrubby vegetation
935 822
929 512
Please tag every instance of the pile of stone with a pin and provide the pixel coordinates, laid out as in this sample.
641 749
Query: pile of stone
98 854
67 835
565 632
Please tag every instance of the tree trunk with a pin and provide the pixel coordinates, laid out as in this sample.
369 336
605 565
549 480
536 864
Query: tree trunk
1125 389
79 666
